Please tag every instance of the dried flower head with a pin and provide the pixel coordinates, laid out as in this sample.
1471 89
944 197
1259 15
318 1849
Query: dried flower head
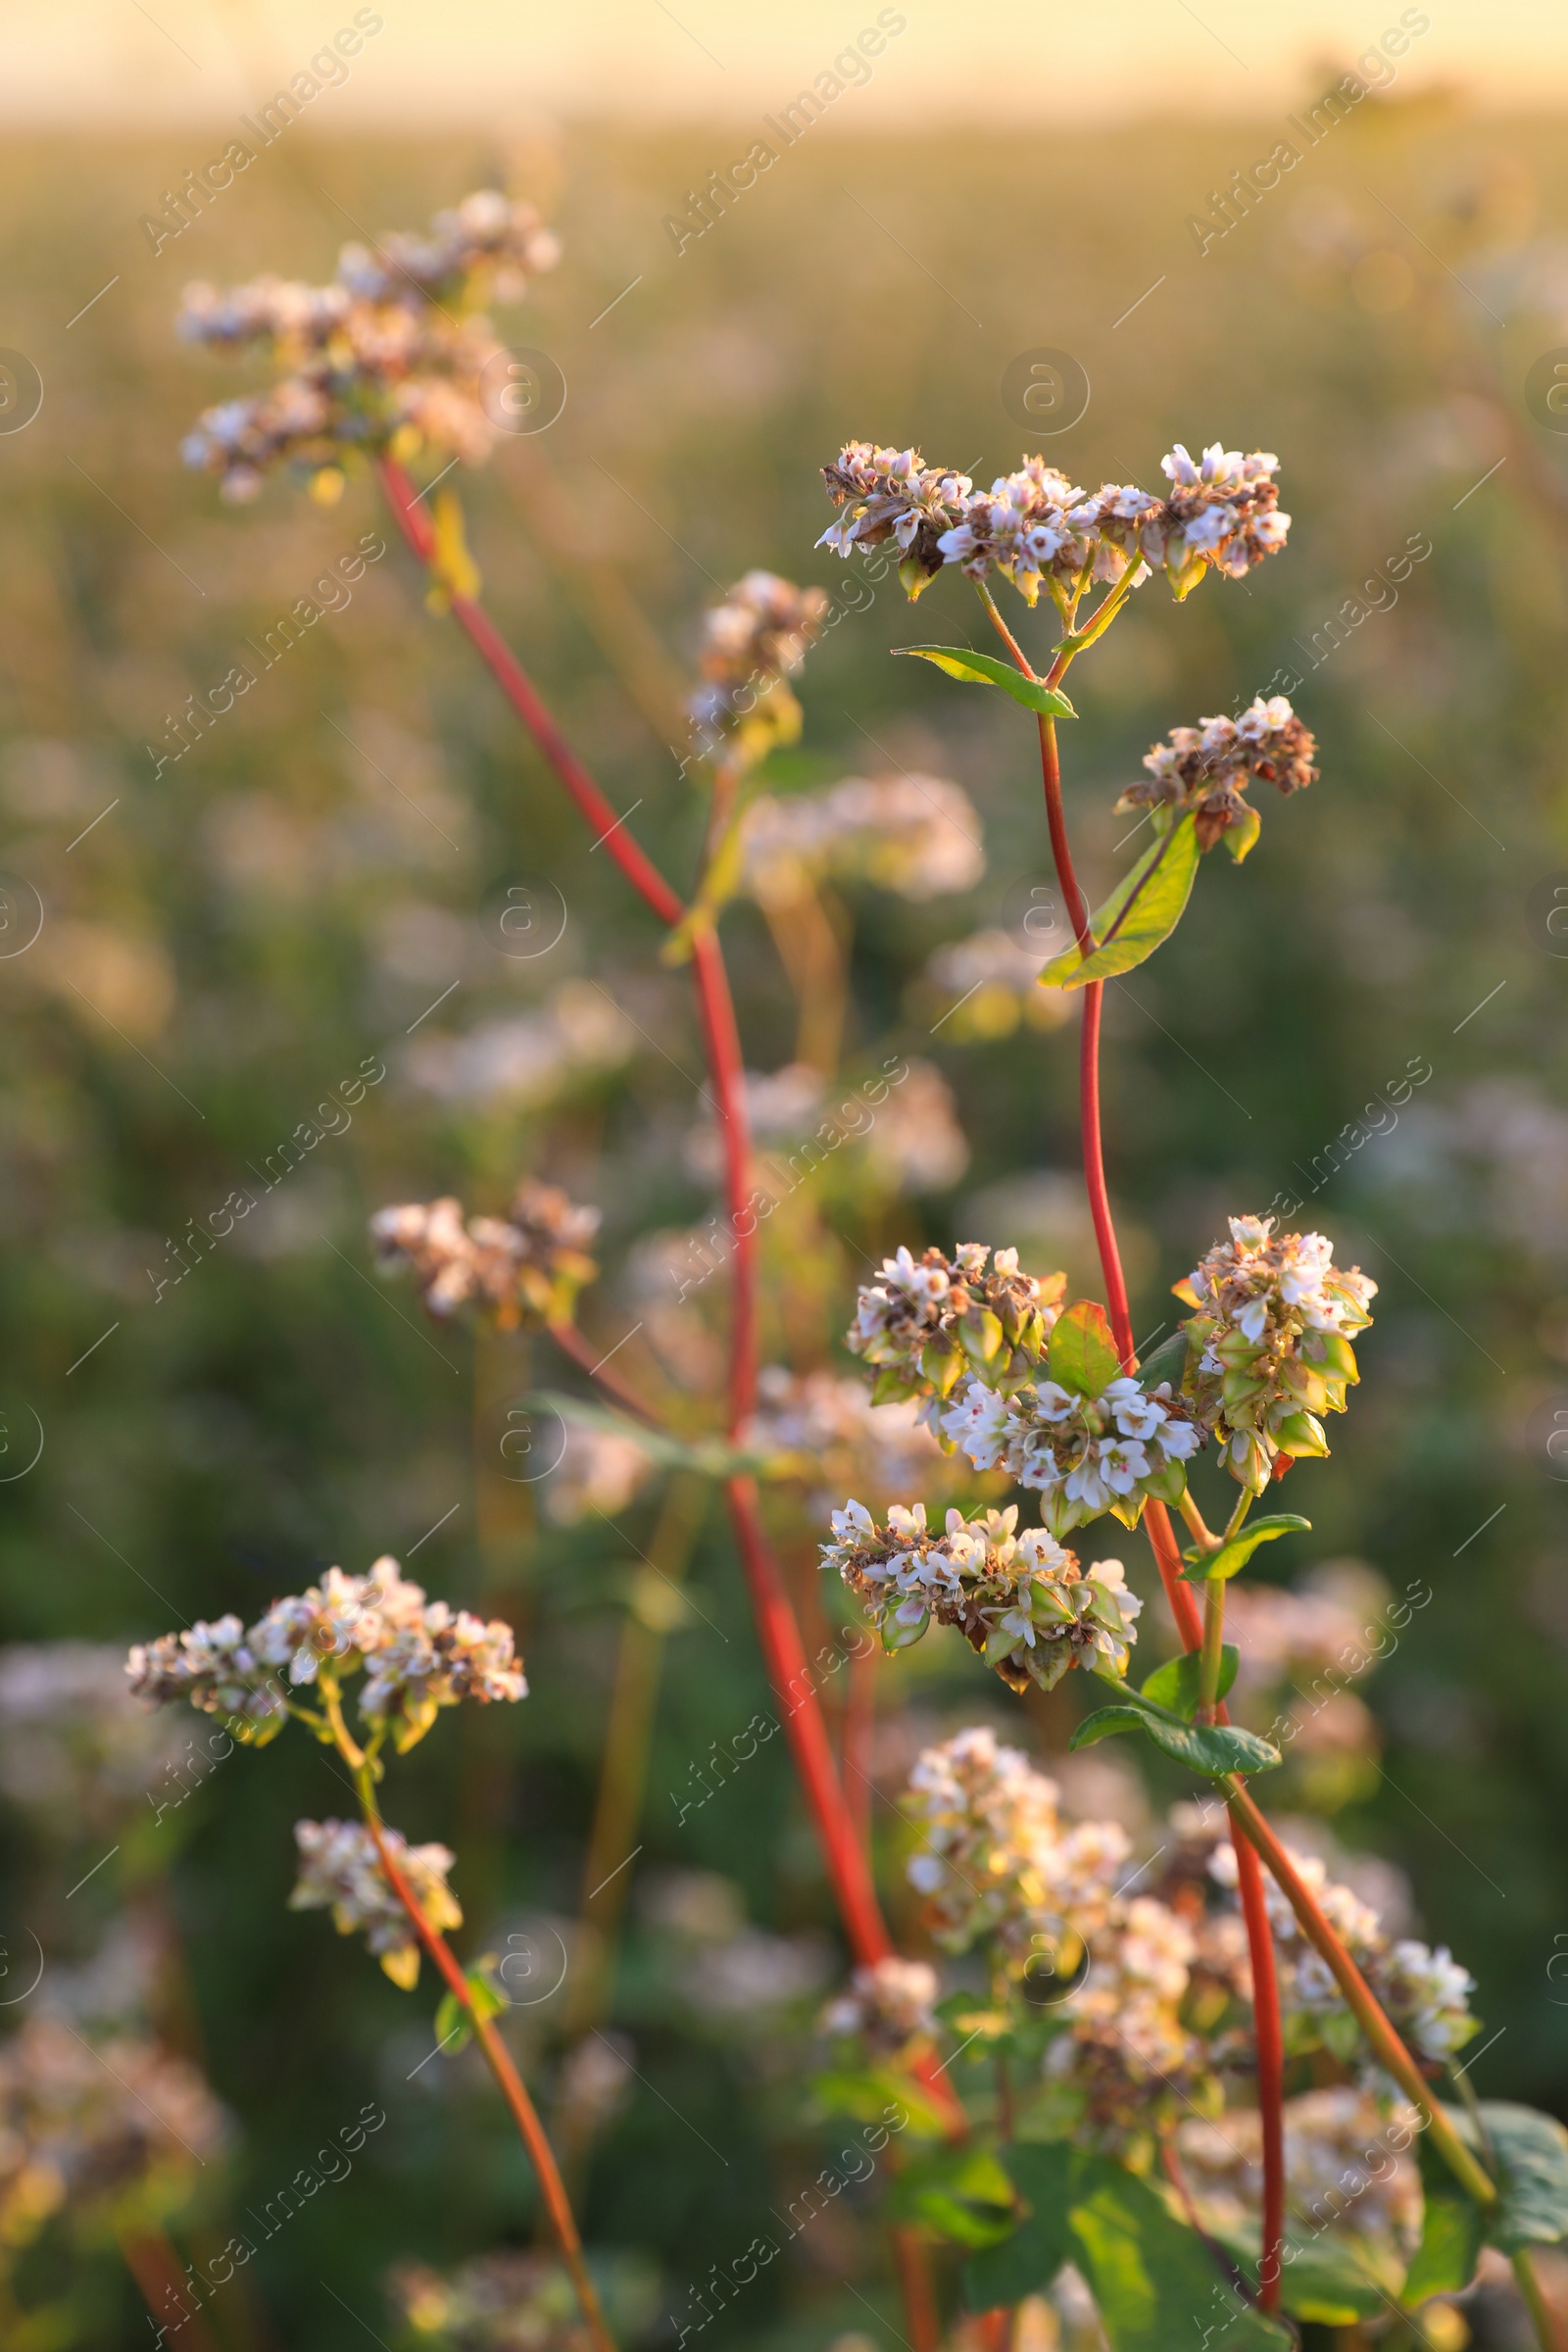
418 1656
997 1863
888 2006
925 1321
388 358
1206 768
916 835
754 639
1269 1349
1020 1601
530 1263
340 1869
1084 1454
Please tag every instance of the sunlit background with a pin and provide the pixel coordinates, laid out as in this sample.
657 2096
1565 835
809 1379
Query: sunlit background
321 882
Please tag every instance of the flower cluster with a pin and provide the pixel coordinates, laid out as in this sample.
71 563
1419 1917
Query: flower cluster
1085 1454
340 1869
1425 1992
997 1864
888 2006
389 357
1342 2170
1206 768
526 1061
915 835
86 2127
1035 527
924 1321
533 1261
1019 1599
419 1656
752 640
1269 1349
515 2302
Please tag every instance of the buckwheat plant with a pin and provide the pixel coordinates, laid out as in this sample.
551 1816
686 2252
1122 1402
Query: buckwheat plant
1114 2002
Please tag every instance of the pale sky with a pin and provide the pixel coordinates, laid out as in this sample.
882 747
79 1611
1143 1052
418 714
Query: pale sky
512 62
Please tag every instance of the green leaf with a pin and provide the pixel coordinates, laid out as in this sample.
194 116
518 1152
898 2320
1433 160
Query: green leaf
1444 2261
1152 2279
1532 2152
1240 837
1213 1748
1081 1354
1175 1684
1168 1362
1202 1565
961 2193
1144 910
984 670
880 2095
452 2030
1026 2262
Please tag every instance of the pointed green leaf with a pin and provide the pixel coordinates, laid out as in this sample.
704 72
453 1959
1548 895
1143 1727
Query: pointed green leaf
1444 2261
1168 1362
1240 837
984 670
1103 1724
1532 2152
1142 909
453 2028
1026 2262
1081 1354
1175 1684
877 2094
1149 2273
1202 1565
960 2193
1213 1748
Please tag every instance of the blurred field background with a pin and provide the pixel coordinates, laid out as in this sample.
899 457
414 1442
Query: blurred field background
226 946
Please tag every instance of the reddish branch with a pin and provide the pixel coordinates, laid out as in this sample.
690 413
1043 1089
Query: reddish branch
778 1628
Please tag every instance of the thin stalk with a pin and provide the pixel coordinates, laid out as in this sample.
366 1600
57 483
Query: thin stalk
856 1740
155 2265
1211 1657
778 1629
1386 2044
563 2223
1541 2316
583 1352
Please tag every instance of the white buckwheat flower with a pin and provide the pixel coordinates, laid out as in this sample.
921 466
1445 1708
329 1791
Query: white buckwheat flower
889 2004
340 1868
1083 1454
925 1321
1207 769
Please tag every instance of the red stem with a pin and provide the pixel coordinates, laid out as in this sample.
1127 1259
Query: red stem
517 687
778 1629
1183 1607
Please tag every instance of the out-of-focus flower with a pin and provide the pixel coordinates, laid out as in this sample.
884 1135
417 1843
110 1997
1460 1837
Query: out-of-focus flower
600 1471
1034 526
907 1141
1020 1601
1129 2006
388 358
981 988
510 2302
74 1748
419 1656
1269 1349
754 639
887 2005
1324 1624
924 1321
112 2130
751 1973
916 835
531 1059
1344 2173
341 1869
1426 1993
840 1439
997 1863
531 1263
1206 768
1085 1454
